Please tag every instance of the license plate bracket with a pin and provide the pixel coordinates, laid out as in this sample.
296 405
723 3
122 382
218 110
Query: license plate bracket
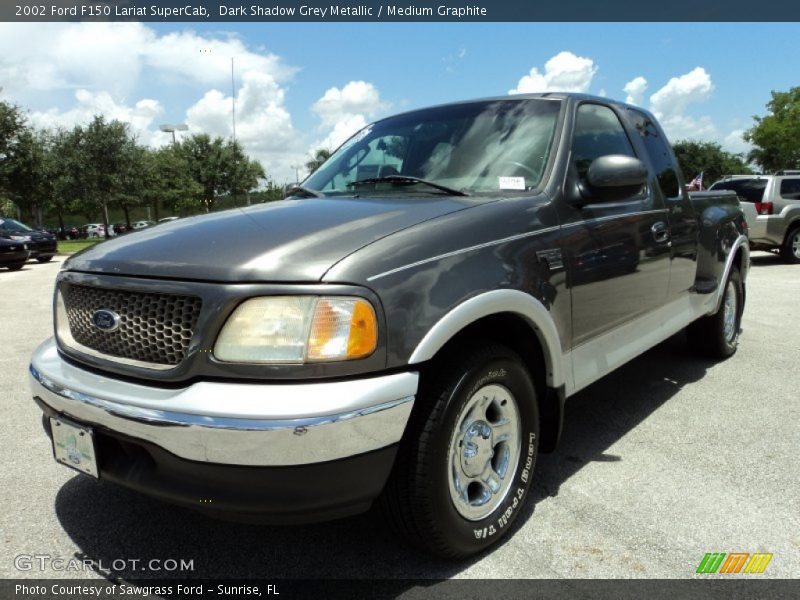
73 446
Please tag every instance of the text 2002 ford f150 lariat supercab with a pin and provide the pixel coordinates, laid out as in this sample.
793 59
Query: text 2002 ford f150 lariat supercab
404 328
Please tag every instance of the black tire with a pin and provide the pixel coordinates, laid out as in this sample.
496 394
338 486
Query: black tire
417 500
708 335
790 251
16 266
44 259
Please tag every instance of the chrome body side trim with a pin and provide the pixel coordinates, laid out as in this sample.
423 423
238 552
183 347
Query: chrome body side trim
237 424
495 302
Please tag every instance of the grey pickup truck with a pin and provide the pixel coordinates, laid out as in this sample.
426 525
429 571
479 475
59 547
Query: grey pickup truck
402 330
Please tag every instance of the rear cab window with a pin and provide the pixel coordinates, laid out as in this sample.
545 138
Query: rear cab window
659 153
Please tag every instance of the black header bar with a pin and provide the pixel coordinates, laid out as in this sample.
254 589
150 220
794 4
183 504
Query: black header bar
399 11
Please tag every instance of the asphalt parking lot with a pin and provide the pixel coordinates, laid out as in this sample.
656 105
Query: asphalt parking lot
668 458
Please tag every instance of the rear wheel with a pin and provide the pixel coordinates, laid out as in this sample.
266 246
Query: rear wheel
44 259
790 251
717 335
466 462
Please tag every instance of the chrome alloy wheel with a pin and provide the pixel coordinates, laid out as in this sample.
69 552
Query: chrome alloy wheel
484 452
796 244
729 317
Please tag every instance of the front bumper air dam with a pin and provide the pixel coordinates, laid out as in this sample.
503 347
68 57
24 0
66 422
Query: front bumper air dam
283 452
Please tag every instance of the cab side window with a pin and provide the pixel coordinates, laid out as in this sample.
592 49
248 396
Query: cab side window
659 152
598 132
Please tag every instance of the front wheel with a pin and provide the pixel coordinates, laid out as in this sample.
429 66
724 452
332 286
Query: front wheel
466 462
717 335
16 266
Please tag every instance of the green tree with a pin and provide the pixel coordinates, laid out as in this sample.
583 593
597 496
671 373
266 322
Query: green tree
29 177
244 173
12 125
776 136
132 189
318 158
270 192
168 182
708 158
219 168
104 151
65 166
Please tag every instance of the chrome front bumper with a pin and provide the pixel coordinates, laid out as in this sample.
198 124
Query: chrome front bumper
234 423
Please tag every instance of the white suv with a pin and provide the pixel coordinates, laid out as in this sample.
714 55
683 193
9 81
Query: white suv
771 205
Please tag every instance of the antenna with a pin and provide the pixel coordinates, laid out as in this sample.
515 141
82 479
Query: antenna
233 123
233 104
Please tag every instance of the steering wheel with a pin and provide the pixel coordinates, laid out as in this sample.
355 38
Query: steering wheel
519 165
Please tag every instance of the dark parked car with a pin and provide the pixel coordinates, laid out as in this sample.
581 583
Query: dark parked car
13 254
120 228
403 329
42 244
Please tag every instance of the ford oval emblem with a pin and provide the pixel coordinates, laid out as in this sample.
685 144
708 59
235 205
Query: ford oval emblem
105 320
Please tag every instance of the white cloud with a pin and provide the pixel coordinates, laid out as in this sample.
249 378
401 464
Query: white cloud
263 124
114 56
635 90
70 72
685 127
733 142
344 111
669 104
140 116
565 72
679 92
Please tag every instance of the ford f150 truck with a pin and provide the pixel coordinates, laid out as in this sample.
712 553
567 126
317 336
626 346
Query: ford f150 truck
403 329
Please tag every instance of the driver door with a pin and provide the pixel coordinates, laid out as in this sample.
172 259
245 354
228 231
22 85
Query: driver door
617 253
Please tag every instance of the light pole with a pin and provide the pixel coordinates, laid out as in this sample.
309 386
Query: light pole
167 128
296 173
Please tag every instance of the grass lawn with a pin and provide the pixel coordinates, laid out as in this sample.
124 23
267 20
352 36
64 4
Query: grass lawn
72 246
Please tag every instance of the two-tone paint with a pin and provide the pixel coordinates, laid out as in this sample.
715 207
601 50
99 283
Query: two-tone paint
556 273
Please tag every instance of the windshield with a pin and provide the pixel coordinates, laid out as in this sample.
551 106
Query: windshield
478 147
750 190
12 225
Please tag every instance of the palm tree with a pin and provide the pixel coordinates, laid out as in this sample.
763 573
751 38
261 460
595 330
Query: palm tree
319 157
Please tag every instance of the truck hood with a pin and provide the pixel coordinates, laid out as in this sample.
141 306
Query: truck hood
285 241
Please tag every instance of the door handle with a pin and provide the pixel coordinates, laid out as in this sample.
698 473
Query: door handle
660 232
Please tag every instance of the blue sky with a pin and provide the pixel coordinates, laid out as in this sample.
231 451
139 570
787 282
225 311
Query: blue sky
302 85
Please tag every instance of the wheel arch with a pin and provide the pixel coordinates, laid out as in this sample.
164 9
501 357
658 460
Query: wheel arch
793 224
519 321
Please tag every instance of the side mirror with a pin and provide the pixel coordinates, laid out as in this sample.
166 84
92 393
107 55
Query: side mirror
616 171
615 175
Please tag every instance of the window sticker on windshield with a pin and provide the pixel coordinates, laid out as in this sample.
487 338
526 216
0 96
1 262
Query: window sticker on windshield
511 183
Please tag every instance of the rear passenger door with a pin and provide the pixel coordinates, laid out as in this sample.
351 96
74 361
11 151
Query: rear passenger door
668 186
616 252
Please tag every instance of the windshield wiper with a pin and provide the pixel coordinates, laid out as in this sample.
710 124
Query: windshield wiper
307 192
407 179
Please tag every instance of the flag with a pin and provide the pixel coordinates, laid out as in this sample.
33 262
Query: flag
696 184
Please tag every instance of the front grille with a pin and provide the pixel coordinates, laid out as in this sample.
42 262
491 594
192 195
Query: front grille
153 328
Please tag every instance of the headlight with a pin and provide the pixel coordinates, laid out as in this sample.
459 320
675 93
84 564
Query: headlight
298 329
20 238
